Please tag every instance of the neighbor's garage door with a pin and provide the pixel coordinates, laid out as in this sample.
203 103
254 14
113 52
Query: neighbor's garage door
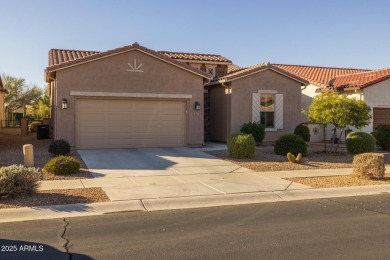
129 123
381 116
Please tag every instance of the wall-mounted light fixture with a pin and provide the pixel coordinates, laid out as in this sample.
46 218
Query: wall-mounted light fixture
64 103
197 105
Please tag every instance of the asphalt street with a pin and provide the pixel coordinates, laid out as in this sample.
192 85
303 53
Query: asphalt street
341 228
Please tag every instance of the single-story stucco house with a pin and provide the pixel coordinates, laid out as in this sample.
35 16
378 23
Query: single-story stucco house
262 93
371 86
136 97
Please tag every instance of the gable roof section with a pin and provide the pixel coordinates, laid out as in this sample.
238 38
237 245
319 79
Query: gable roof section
61 59
186 56
359 80
233 67
244 72
319 76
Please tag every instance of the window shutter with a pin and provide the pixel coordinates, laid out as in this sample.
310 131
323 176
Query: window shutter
279 111
255 107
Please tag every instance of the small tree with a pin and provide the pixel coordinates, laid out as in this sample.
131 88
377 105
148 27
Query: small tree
20 95
339 110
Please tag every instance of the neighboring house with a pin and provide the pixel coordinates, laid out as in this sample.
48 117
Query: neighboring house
263 92
371 86
318 77
126 97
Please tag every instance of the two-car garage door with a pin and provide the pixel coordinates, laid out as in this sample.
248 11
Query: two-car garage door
116 123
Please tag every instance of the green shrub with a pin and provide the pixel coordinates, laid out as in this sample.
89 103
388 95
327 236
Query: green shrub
290 143
254 128
360 142
59 147
241 145
369 165
303 131
17 180
62 165
382 136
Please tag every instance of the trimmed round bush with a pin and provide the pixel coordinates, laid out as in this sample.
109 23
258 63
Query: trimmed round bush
290 143
241 146
59 147
360 142
18 180
254 128
62 165
382 136
303 131
369 165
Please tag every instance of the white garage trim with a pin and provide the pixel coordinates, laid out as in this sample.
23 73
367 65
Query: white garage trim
129 95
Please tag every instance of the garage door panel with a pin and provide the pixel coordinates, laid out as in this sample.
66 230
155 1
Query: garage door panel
130 123
381 116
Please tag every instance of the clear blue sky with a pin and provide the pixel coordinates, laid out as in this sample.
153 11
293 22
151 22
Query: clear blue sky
339 33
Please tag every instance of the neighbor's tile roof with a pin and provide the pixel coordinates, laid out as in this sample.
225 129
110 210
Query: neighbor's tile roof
233 67
59 59
319 76
195 56
259 67
360 80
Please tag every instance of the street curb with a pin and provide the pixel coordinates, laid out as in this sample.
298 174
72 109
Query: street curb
100 208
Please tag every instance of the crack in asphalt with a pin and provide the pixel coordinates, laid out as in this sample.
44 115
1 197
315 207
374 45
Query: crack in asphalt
67 241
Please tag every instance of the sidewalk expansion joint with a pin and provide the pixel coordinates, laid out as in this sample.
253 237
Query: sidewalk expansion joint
211 187
143 205
288 186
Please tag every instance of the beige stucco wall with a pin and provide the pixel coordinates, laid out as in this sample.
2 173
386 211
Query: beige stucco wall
308 93
241 100
218 113
110 75
377 95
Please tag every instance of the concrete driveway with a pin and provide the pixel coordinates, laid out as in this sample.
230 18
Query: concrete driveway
128 174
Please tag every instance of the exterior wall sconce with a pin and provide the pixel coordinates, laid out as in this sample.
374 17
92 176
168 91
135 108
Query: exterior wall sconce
64 103
228 90
197 105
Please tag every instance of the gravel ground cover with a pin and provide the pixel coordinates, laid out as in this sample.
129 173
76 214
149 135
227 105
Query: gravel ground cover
340 181
266 160
11 152
55 197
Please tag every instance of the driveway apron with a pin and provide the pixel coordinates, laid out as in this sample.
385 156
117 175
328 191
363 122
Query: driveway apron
144 173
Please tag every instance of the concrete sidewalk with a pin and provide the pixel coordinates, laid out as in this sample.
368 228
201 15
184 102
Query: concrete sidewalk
180 178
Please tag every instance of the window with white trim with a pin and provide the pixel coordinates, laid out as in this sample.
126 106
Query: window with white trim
267 110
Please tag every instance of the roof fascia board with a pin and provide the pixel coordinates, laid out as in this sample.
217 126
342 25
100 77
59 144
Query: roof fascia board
133 49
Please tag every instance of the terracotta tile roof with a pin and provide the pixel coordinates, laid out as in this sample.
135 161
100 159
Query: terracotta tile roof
233 67
59 56
259 67
319 76
195 56
360 80
59 59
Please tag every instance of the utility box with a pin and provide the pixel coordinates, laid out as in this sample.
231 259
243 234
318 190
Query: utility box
43 131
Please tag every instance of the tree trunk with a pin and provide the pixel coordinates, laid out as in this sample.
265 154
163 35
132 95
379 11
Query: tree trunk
324 126
338 143
333 139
